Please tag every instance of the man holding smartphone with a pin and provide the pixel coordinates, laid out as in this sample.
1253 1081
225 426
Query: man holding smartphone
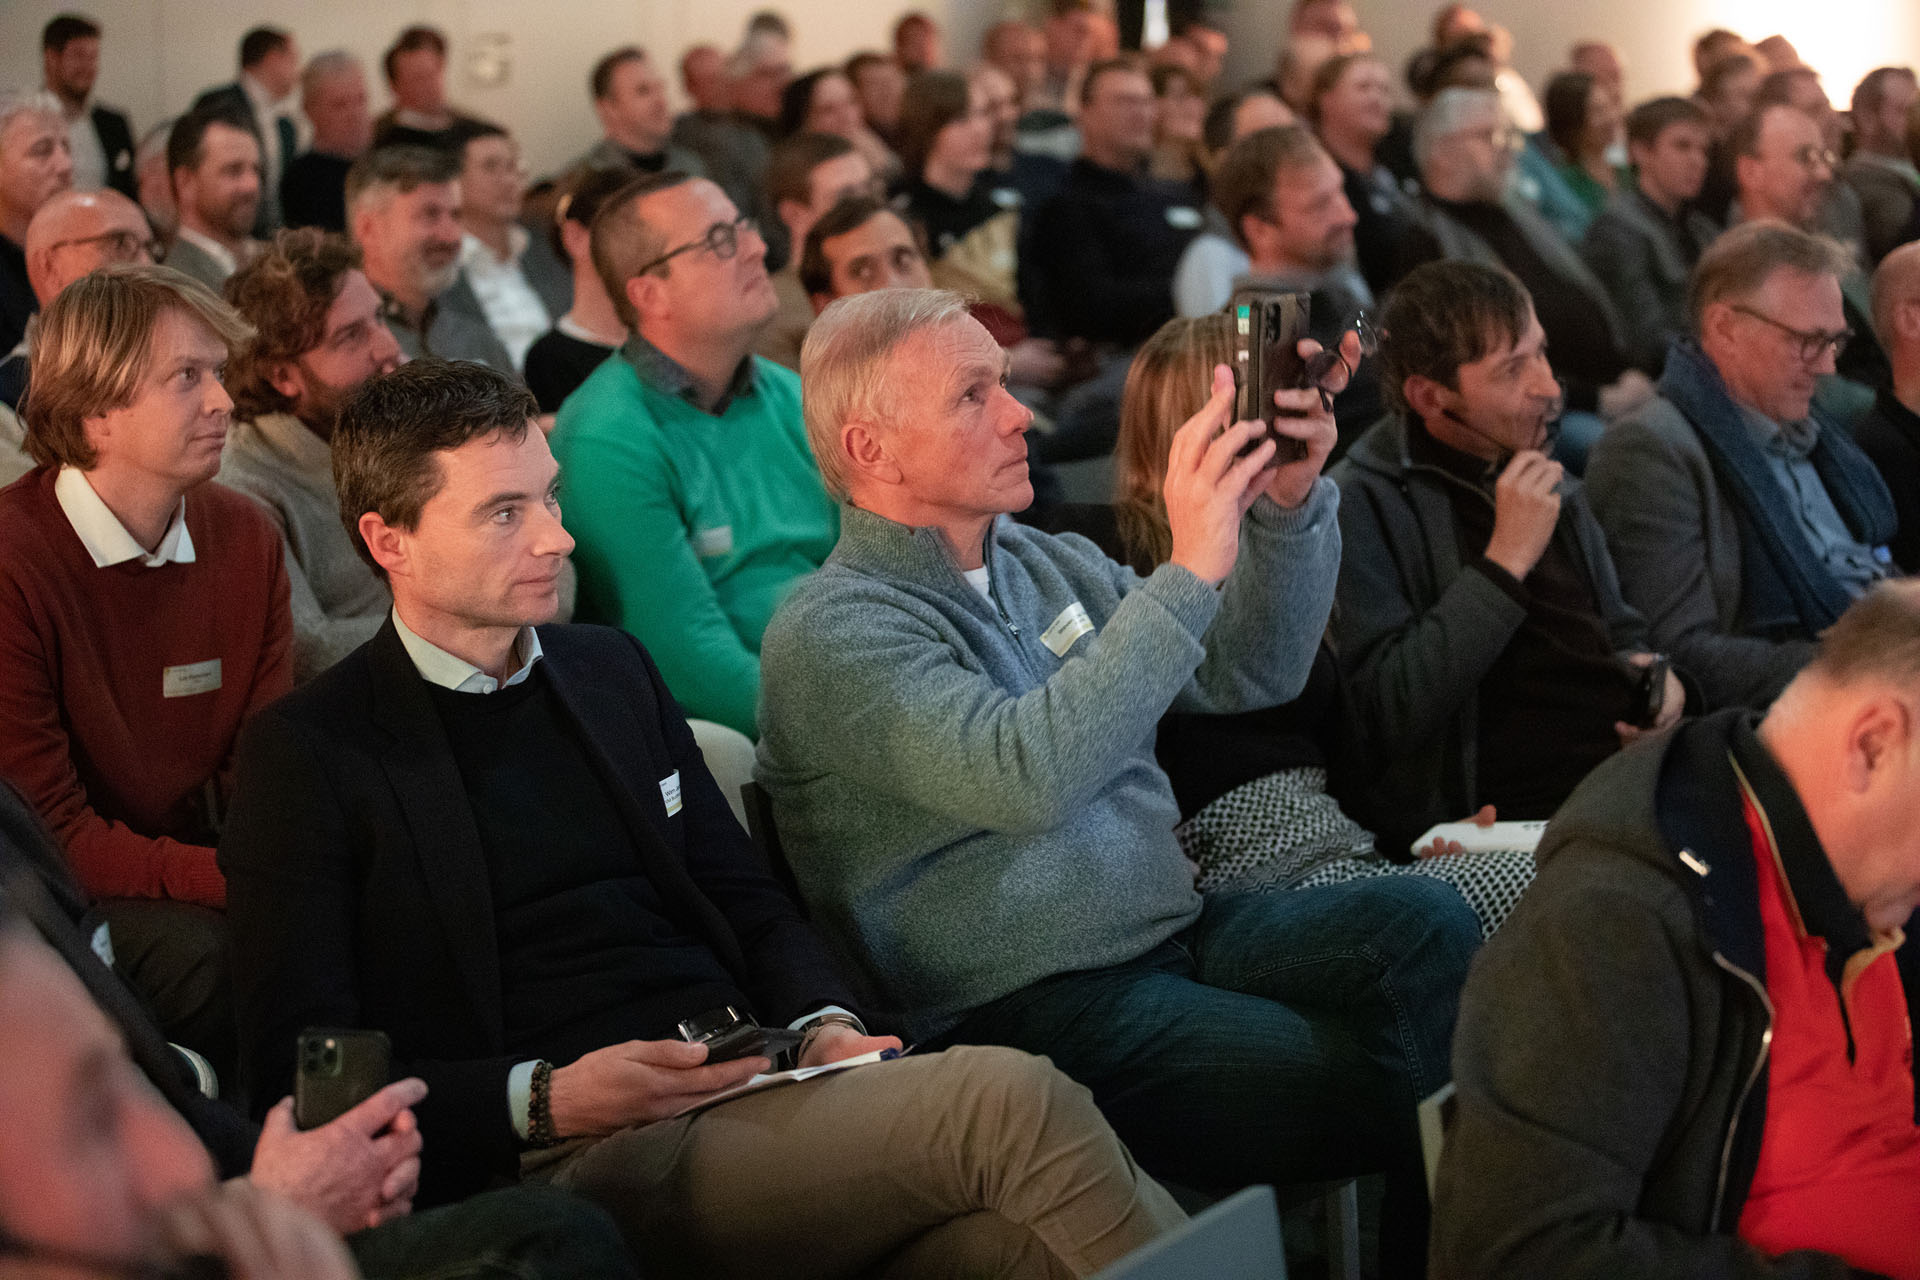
1480 621
495 841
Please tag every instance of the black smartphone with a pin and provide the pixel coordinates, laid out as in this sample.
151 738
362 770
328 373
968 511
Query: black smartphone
729 1034
1267 327
1650 692
336 1071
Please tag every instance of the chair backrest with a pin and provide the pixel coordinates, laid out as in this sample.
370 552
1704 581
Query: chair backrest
1237 1239
1436 1113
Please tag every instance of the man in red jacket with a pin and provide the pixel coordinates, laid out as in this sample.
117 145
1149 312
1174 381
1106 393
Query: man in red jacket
143 616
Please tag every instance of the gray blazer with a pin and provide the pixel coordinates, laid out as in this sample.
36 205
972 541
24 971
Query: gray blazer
1676 543
186 256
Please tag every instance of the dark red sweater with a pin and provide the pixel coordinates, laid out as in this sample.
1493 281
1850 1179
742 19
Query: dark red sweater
119 771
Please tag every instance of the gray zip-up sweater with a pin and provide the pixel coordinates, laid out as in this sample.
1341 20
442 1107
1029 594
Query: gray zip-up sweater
966 789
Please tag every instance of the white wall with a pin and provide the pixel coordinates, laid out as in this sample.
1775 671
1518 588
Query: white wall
159 53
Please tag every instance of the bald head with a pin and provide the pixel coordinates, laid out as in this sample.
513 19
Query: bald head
77 232
1896 309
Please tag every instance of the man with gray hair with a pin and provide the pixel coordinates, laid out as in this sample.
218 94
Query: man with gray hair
689 490
403 208
1687 1052
958 720
1465 152
36 162
1742 518
333 97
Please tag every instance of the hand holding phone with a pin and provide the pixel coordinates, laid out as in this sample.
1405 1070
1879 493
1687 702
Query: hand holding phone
336 1070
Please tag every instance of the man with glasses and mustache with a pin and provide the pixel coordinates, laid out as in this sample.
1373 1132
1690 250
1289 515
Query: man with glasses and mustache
1479 621
1743 518
691 491
72 234
403 210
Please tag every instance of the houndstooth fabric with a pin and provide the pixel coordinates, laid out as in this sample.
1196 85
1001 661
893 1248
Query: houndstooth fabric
1284 831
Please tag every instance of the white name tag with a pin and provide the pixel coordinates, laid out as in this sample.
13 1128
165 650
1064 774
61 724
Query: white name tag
1068 627
194 678
1184 218
713 542
103 944
670 792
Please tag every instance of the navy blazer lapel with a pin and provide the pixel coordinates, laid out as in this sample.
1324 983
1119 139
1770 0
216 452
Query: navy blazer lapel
608 733
433 798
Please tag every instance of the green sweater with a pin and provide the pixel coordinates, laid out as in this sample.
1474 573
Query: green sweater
691 527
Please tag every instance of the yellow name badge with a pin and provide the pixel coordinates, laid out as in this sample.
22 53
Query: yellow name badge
1072 623
670 792
192 679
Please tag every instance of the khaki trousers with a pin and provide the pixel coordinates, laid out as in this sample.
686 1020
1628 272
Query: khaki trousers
979 1161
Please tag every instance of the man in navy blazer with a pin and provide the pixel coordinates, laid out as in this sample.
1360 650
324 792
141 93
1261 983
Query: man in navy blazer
495 841
263 97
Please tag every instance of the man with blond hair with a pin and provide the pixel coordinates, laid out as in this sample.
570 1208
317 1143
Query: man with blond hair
958 722
145 619
72 234
1687 1052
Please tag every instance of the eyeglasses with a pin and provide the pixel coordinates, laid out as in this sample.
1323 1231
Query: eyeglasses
1811 157
121 246
722 240
1813 342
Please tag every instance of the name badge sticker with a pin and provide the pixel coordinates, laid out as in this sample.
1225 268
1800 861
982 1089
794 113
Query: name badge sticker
1072 623
1184 218
190 680
713 542
670 792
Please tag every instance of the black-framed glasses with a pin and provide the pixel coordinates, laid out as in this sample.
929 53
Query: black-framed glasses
722 240
121 246
1813 342
1322 363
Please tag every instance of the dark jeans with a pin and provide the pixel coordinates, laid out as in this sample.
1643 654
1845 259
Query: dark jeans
175 957
521 1233
1283 1038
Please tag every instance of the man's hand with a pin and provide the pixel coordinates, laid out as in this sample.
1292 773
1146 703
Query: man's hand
1441 848
1625 394
837 1042
358 1171
638 1082
1526 506
1673 705
257 1234
1209 486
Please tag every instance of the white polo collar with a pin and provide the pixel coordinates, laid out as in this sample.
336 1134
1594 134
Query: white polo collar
105 538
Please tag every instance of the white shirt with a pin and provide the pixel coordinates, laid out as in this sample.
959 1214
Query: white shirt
437 666
978 580
89 157
102 534
514 311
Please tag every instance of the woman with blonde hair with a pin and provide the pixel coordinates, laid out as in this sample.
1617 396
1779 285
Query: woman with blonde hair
1261 793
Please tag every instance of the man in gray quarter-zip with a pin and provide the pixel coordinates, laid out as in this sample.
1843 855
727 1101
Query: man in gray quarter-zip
957 719
1688 1051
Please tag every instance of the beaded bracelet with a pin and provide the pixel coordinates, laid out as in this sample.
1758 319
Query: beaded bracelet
540 1107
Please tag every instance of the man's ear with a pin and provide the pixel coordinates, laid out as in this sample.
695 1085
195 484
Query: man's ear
387 544
1424 396
820 301
1879 742
868 454
1253 233
284 377
643 293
